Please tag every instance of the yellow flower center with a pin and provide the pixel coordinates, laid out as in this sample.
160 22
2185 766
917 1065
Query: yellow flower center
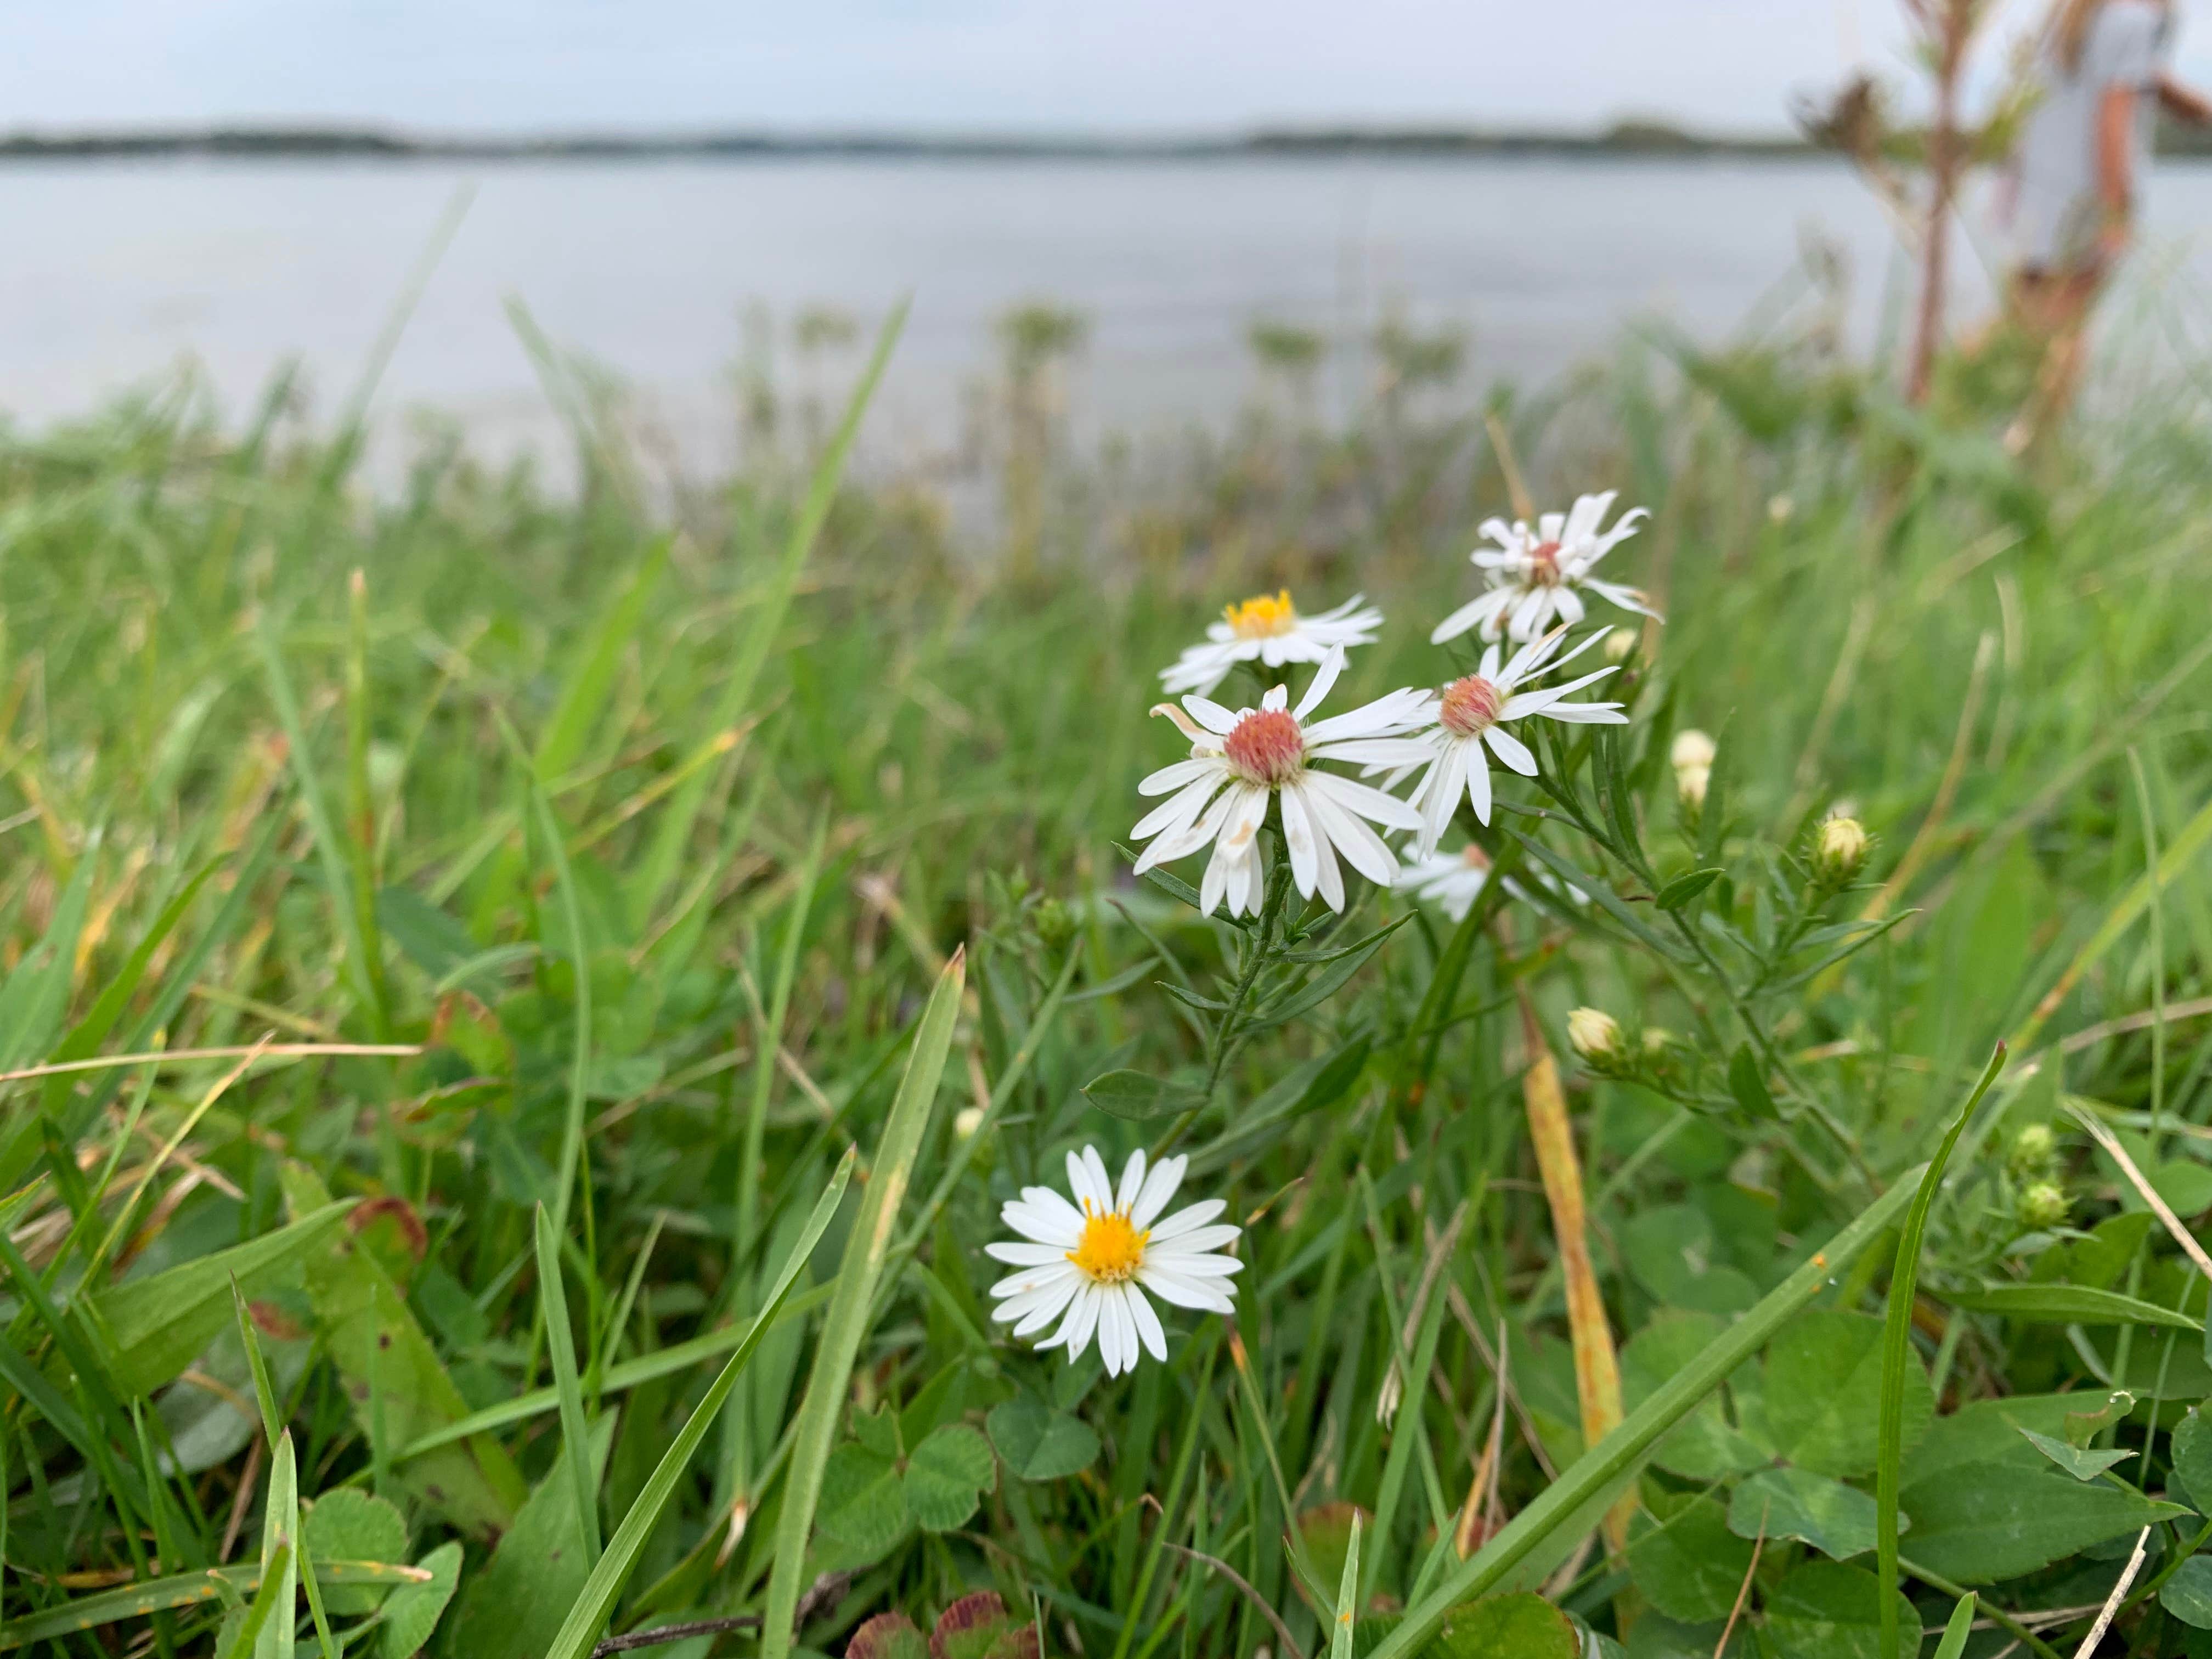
1111 1248
1263 617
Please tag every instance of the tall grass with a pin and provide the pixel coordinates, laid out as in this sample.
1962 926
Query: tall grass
473 853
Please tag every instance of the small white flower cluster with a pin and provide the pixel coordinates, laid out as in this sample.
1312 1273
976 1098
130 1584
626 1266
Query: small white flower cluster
1090 1266
1243 761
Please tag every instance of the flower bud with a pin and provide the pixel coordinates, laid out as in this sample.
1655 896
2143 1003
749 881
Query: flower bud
1622 643
967 1121
2042 1203
1690 784
1838 851
2032 1149
1595 1036
1693 748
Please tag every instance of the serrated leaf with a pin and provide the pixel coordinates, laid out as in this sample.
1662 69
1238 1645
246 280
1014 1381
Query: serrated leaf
947 1476
1679 892
1137 1095
1039 1443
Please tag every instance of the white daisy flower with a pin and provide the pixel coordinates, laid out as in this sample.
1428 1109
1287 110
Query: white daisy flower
1452 881
1540 573
1088 1264
1268 629
1471 714
1240 761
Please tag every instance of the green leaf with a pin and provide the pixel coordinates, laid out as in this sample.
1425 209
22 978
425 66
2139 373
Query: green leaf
352 1525
1837 1520
2187 1594
947 1475
862 1507
246 1636
978 1627
1980 1523
1987 1431
411 1612
1953 1644
383 1358
1573 1504
1824 1393
280 1542
433 941
594 1605
583 702
1039 1443
512 1606
159 1324
1688 1563
1517 1626
2082 1465
1746 1081
2191 1451
1684 887
1325 984
1137 1095
1822 1610
1706 1445
2082 1427
2068 1304
851 1309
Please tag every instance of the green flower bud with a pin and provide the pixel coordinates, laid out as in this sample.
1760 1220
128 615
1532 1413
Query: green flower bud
2032 1149
1839 852
1595 1036
2042 1203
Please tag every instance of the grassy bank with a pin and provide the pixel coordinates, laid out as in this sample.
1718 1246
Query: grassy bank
673 848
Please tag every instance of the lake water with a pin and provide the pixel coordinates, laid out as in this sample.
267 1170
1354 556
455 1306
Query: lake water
111 273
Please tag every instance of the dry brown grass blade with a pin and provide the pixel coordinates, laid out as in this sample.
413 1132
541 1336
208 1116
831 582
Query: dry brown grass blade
1597 1370
250 1051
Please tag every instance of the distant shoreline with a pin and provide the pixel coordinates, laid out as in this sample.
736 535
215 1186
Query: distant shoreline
1631 138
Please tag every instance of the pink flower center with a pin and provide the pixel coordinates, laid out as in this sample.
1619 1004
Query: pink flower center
1266 747
1475 858
1544 565
1470 707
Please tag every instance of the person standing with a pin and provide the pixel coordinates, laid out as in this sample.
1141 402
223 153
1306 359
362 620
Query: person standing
2076 172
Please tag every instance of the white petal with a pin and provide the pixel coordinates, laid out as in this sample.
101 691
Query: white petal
1299 837
1477 781
1159 1186
1044 1216
1148 1323
1197 1239
1188 1219
1024 1255
1179 811
1092 1199
1133 1181
1209 1295
1170 778
1210 715
1100 1183
1362 848
1510 750
1031 1281
1074 1332
1324 676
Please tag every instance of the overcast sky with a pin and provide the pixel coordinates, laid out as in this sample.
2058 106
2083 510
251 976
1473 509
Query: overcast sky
1129 65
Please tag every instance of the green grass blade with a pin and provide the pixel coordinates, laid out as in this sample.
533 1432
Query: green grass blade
1587 1485
1961 1625
280 1536
847 1322
184 1589
673 836
1896 1352
583 700
246 1639
579 1631
264 1392
580 1058
576 1438
1347 1594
